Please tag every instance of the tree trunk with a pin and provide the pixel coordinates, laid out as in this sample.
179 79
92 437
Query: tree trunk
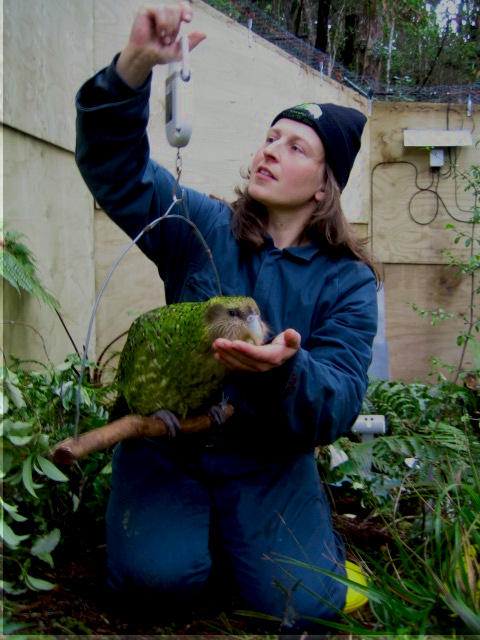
437 55
335 35
297 18
308 13
276 9
372 62
288 16
391 24
321 39
350 42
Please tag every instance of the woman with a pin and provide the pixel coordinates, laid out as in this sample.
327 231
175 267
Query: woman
247 495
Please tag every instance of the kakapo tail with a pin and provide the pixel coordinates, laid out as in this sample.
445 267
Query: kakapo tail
186 218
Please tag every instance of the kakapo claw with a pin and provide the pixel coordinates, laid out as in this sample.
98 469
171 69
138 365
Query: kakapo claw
171 421
216 413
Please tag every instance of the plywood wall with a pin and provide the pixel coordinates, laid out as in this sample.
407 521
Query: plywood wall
46 201
411 202
47 54
44 196
410 208
413 342
240 84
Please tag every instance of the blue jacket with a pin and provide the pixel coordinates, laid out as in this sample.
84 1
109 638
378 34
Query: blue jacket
328 297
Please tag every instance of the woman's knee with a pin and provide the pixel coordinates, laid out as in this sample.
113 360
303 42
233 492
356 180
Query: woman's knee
174 575
293 595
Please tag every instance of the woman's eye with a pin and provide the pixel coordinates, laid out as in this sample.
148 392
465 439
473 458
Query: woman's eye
296 148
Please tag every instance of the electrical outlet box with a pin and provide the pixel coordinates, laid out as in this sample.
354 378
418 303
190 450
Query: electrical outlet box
437 157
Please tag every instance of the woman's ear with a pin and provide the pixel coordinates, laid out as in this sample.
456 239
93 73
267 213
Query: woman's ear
320 194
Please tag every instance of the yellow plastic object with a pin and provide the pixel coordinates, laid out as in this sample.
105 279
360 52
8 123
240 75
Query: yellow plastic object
354 600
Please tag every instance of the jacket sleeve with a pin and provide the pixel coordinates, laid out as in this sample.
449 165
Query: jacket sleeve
315 397
113 156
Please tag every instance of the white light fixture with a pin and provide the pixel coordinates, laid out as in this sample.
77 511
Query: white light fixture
437 140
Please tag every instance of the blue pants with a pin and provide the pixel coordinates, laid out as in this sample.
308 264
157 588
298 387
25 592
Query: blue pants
164 506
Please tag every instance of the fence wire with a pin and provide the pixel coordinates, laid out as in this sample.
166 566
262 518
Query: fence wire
265 26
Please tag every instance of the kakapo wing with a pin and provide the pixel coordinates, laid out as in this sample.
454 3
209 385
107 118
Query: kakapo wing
167 362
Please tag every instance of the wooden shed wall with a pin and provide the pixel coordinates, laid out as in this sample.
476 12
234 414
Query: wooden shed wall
239 86
411 205
43 194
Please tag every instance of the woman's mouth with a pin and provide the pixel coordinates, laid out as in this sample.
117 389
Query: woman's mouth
263 171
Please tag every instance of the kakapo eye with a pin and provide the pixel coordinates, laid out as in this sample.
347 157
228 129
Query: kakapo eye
232 312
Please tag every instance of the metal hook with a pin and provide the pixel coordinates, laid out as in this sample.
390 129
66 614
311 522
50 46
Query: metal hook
178 167
181 199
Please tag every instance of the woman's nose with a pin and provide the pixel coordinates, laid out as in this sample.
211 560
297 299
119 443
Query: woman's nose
272 150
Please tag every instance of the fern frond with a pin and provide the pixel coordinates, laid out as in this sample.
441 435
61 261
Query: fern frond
22 253
12 237
17 266
14 272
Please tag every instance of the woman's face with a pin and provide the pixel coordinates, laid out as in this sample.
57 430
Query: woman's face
288 171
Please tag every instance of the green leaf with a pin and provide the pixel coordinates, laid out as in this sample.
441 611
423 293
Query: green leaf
46 544
107 469
5 426
226 622
9 588
16 395
19 441
64 366
6 462
256 614
10 537
12 509
27 476
44 442
50 470
46 557
20 428
37 584
3 403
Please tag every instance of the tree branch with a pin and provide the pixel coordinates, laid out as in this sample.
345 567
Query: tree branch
132 426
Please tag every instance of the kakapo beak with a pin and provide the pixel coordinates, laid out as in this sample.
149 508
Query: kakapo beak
256 328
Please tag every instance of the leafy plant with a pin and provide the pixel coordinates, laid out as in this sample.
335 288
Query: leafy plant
38 409
424 444
17 266
421 484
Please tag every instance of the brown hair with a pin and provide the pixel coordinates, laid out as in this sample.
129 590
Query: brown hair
327 224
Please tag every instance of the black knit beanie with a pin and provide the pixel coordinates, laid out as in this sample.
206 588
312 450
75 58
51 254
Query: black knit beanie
339 129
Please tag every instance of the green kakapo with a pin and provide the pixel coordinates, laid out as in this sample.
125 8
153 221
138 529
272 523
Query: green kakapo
167 361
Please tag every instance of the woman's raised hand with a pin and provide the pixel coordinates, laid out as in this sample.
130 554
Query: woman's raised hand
154 39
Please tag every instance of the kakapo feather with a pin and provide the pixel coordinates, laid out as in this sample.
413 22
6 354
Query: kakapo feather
167 361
